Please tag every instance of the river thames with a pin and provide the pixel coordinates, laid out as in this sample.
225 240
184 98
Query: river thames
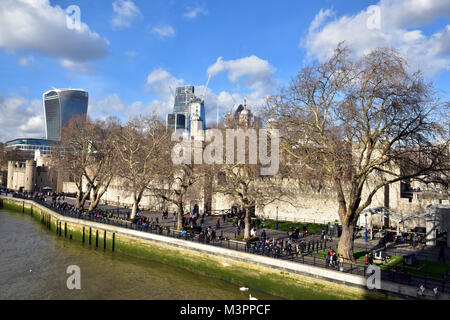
33 265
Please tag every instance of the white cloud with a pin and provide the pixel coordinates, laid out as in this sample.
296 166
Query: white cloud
77 66
193 12
125 12
162 83
26 61
131 54
396 25
21 118
35 25
112 105
164 31
257 73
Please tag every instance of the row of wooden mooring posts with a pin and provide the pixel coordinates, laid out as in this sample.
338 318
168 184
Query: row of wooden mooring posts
59 232
46 219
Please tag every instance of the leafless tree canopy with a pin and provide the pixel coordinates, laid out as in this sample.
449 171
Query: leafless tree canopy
140 148
347 122
86 153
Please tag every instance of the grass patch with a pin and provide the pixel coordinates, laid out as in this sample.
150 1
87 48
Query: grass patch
286 226
432 269
360 259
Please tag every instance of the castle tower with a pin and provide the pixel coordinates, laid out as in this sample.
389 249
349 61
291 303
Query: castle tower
197 132
10 178
30 175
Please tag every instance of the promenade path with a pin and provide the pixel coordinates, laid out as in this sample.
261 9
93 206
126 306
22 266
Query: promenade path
227 230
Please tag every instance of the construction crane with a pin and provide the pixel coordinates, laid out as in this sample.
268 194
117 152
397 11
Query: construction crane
202 97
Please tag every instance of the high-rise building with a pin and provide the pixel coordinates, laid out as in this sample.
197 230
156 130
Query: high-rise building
60 105
182 109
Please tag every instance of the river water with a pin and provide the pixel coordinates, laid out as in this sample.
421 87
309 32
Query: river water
34 261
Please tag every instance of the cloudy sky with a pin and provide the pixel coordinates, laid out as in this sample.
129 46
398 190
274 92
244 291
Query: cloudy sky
130 55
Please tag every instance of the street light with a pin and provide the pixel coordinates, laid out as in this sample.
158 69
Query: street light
365 216
263 235
276 224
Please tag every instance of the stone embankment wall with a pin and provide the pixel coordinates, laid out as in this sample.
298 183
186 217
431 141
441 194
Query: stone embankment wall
275 276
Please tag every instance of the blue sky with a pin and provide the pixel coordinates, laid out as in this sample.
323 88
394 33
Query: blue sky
128 54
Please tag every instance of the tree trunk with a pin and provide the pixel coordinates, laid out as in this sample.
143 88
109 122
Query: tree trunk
180 214
95 200
345 246
134 210
137 200
80 203
247 224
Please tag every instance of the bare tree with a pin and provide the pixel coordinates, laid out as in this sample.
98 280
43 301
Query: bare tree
103 168
241 179
138 146
85 155
358 126
176 181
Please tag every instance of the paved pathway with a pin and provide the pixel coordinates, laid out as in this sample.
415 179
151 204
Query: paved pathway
229 231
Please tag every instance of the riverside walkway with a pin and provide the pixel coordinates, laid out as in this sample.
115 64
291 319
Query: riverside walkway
304 256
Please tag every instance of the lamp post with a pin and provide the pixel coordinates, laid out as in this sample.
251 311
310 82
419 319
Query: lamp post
365 216
276 221
118 203
263 235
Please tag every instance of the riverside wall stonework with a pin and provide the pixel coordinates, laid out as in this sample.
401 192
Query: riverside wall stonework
224 255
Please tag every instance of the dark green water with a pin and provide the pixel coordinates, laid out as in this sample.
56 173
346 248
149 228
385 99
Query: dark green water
33 264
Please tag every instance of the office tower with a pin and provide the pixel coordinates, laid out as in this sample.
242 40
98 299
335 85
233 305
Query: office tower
60 105
186 103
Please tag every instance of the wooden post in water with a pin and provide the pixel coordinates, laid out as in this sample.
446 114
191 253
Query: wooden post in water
113 240
65 229
96 238
90 235
60 227
23 206
83 234
104 240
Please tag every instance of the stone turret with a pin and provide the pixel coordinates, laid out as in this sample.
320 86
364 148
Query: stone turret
10 178
30 175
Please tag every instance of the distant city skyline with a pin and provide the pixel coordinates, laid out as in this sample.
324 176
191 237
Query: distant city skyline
130 55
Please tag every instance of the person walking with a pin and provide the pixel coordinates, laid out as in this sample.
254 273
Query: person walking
218 223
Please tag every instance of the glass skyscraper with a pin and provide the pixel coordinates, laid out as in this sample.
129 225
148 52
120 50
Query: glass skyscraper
181 116
59 106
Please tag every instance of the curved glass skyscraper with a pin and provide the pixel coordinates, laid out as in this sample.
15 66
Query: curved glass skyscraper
59 106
